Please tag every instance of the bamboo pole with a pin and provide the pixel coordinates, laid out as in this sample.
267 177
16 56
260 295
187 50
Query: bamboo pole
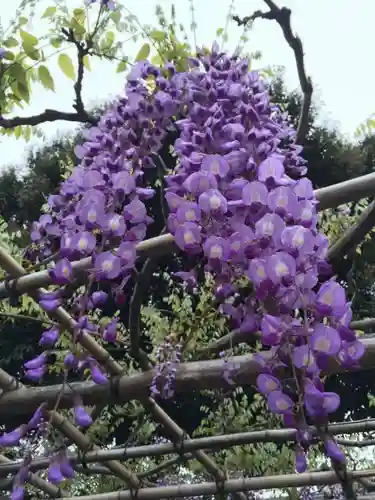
207 443
194 375
328 197
231 486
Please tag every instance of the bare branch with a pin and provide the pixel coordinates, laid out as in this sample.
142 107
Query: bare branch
49 115
53 115
282 17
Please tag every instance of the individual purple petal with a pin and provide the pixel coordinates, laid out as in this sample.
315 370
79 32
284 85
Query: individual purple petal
127 254
272 330
280 403
13 438
54 473
199 182
174 201
330 299
135 212
62 273
271 170
304 189
107 266
212 201
188 236
36 419
70 361
188 212
114 224
270 226
301 460
333 451
81 417
36 362
50 337
18 493
67 469
97 375
267 383
123 182
355 350
110 331
254 194
216 248
304 358
99 298
331 402
36 374
325 340
281 268
50 305
216 164
84 242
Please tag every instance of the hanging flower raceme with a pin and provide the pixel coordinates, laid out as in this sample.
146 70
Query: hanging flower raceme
238 196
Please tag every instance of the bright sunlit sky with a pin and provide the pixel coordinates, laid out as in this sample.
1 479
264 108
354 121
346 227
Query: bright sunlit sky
337 38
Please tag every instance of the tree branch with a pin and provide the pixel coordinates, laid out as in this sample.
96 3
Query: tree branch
282 17
53 115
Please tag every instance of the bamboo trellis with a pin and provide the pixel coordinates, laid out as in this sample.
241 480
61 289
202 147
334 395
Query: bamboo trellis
17 399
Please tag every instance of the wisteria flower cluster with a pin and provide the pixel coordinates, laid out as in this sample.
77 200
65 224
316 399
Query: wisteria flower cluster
237 197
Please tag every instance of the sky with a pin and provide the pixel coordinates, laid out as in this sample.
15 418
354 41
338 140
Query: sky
337 41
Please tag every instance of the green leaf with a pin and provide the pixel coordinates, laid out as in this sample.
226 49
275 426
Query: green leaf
143 53
49 12
80 15
45 78
219 31
56 42
108 41
122 65
9 55
115 16
22 20
10 42
158 35
28 40
86 62
17 72
66 66
77 27
23 91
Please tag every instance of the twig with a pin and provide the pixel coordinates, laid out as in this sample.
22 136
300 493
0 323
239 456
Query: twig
52 115
282 17
27 318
